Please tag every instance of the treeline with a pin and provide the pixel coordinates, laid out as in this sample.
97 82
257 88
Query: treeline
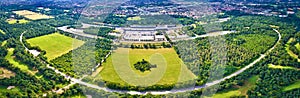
150 46
128 87
100 31
194 30
184 20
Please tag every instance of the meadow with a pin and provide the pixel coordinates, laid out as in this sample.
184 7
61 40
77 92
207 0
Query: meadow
241 90
281 67
55 44
298 46
14 21
292 86
136 18
170 68
10 58
32 15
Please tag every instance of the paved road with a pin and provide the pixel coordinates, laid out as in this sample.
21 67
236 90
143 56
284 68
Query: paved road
74 80
206 35
77 32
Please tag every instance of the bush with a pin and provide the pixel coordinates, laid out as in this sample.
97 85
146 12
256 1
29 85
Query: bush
143 65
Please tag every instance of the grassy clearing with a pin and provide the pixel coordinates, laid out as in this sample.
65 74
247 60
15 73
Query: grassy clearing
287 48
1 31
14 21
3 43
4 73
170 68
79 96
32 15
250 83
281 67
22 67
296 85
298 46
55 44
136 18
4 89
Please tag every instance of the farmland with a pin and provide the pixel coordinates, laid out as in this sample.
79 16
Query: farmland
170 69
55 44
16 21
32 15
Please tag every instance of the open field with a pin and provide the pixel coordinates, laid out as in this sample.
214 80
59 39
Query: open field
22 67
32 15
134 18
292 86
55 44
281 67
170 68
298 46
4 73
14 21
289 51
250 83
1 31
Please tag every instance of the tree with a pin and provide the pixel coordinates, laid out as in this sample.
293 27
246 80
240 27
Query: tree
142 65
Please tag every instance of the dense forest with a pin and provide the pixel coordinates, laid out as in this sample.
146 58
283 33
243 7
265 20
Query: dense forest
84 59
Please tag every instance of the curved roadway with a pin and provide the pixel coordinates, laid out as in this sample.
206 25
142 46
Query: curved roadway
74 80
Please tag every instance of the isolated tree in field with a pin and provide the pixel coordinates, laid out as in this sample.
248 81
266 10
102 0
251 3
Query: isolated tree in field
142 65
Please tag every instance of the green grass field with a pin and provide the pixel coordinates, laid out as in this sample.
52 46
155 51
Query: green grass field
281 67
170 68
22 67
79 96
55 44
298 46
1 31
296 85
14 21
136 18
3 43
250 83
